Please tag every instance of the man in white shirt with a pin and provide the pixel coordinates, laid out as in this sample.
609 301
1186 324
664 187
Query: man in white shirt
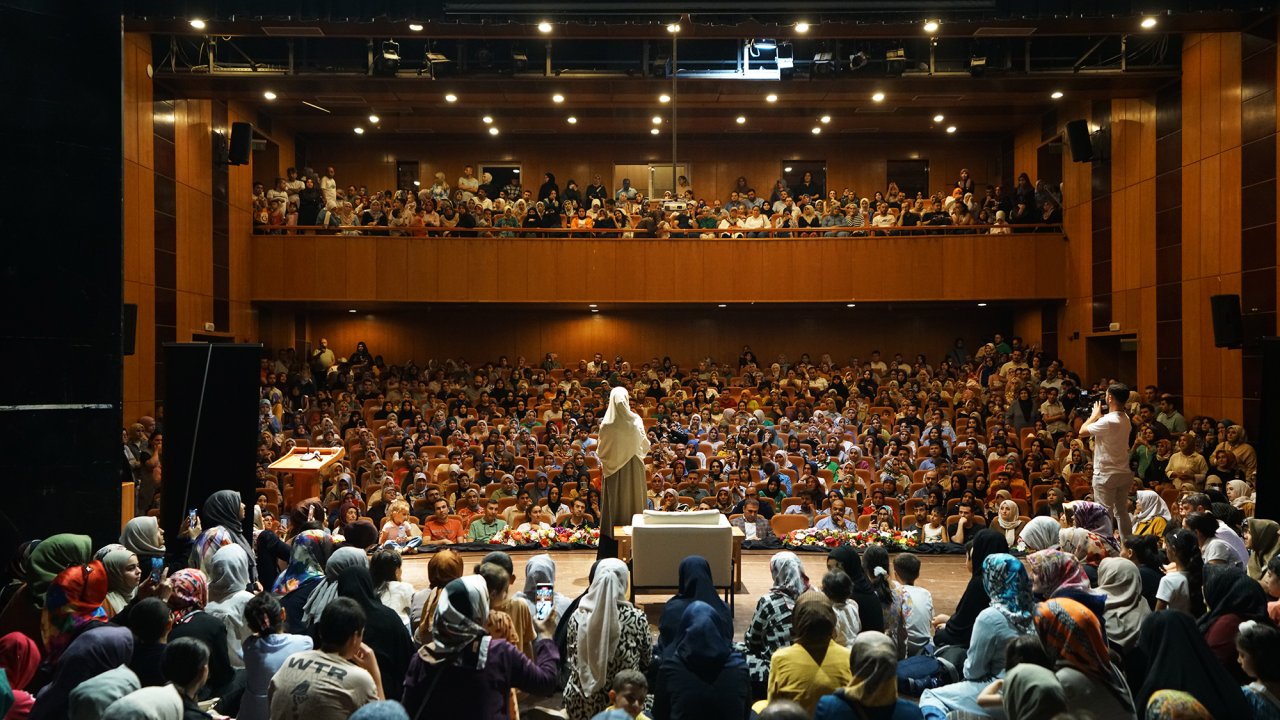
329 188
1112 478
294 184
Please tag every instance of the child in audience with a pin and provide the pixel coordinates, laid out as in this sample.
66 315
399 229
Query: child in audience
398 532
628 693
934 531
918 606
838 587
384 567
1271 585
1258 646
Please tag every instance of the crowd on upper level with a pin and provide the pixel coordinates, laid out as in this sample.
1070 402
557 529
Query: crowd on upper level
478 205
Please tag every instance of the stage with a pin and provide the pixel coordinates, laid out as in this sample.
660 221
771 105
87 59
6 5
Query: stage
943 575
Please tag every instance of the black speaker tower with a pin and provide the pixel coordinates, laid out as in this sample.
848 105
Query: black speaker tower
1228 326
1079 142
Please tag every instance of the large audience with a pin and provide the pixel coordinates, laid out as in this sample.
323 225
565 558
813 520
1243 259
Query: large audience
479 206
1066 613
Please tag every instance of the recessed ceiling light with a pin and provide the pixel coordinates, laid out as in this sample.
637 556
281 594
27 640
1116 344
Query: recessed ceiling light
951 128
653 131
557 98
878 97
544 27
1148 23
851 305
673 28
595 311
351 311
1056 95
741 120
197 24
415 27
664 98
487 119
938 118
802 27
417 183
571 120
723 305
359 131
374 119
592 305
771 98
269 95
824 119
931 26
816 130
493 131
786 169
657 120
982 304
451 98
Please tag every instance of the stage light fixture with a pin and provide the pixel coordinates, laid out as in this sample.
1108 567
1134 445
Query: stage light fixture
931 26
387 62
269 95
415 27
895 61
544 27
802 27
977 66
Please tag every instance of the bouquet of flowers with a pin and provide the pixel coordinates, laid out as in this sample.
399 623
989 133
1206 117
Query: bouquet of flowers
812 537
546 536
582 536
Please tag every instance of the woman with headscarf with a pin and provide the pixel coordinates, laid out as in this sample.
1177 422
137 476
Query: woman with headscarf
1126 608
327 590
1231 597
1072 637
540 570
607 634
1087 547
872 694
1151 516
1008 521
144 536
1096 519
1005 581
957 629
1179 658
443 568
813 664
1237 442
383 629
770 628
1262 540
149 703
123 578
622 449
695 585
298 582
47 560
1239 494
1041 533
188 600
19 659
702 676
72 605
17 571
228 577
104 647
870 613
1031 692
1176 705
1056 574
223 520
463 671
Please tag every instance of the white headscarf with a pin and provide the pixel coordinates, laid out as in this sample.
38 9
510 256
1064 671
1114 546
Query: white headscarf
1041 533
622 434
161 702
599 617
1150 507
228 573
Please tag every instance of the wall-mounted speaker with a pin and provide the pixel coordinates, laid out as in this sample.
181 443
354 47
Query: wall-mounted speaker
129 327
241 143
1228 326
1079 142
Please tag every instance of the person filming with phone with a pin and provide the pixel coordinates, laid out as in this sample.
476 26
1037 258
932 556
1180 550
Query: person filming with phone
1112 478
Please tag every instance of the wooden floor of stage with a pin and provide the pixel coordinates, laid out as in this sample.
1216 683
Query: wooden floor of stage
945 576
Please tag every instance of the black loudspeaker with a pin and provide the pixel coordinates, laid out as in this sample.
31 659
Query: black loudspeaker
1228 329
129 328
210 427
1079 142
241 143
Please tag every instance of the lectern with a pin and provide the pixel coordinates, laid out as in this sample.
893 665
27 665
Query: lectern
305 464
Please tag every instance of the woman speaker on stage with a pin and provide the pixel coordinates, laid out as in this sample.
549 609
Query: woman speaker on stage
623 447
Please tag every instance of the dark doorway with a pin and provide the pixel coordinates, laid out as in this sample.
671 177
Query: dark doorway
793 173
912 176
407 175
504 174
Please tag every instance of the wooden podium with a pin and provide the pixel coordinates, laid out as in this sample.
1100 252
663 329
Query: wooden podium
305 464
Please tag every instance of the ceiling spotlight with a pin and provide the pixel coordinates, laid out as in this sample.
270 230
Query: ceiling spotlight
1148 23
594 310
673 28
269 95
938 118
591 305
544 27
653 131
786 169
742 120
816 130
851 305
374 119
723 305
824 119
359 130
571 120
415 27
982 304
951 128
771 98
878 97
487 119
657 120
351 311
931 26
197 24
802 27
664 98
493 131
451 98
1056 95
557 98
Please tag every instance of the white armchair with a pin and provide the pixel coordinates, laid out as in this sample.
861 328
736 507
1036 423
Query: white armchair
661 540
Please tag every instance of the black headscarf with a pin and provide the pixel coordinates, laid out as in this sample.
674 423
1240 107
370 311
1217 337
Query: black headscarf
959 628
1181 660
222 509
870 612
384 631
1228 590
696 585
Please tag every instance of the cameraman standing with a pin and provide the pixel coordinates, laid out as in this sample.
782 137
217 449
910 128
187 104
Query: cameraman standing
1112 478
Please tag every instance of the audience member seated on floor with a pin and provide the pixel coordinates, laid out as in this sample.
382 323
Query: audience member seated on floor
385 566
334 681
190 620
1072 637
893 602
1180 660
384 632
607 634
700 674
228 578
541 570
872 691
1259 648
265 652
813 664
499 572
444 567
770 627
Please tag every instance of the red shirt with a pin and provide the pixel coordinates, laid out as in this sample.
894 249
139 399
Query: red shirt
450 529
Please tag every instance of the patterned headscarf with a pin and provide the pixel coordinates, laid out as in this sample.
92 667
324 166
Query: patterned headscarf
1175 705
459 621
1093 517
1054 570
311 549
875 670
788 574
1005 580
1088 547
1072 636
599 616
51 557
190 592
73 600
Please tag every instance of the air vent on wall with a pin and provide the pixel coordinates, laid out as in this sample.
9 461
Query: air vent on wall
293 31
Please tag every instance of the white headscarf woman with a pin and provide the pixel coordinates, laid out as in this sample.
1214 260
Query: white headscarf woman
622 449
599 619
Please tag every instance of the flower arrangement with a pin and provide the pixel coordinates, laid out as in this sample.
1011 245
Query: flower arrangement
546 536
813 537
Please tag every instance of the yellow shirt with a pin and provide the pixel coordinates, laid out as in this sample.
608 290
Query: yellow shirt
794 675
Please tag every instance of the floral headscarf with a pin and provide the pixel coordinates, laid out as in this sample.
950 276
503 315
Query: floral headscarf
1093 517
1006 581
1087 547
73 600
190 592
311 549
1176 705
1053 570
1072 636
788 574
